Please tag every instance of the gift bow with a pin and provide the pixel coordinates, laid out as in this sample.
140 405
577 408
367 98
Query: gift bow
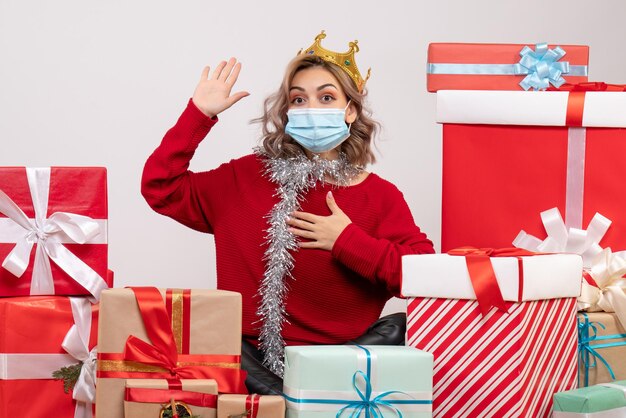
586 243
47 233
603 269
76 344
370 406
606 293
162 353
541 67
483 277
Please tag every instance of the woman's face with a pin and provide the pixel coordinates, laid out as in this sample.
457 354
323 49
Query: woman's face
316 87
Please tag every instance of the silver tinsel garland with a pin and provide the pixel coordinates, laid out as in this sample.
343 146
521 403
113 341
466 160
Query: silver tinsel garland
293 177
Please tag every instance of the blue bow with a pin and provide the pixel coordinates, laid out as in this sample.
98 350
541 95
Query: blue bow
370 406
585 349
541 67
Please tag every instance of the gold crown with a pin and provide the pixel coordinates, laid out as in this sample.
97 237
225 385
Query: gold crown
344 60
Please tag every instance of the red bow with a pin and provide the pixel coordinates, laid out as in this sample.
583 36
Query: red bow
162 352
483 277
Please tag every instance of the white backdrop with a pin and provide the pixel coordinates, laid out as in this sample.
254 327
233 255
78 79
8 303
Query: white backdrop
86 82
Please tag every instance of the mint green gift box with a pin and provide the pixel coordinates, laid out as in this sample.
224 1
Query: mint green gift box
606 400
347 380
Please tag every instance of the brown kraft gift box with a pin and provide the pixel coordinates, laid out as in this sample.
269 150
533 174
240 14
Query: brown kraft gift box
192 334
250 406
156 393
615 356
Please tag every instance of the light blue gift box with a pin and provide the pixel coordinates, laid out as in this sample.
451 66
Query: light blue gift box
606 400
358 381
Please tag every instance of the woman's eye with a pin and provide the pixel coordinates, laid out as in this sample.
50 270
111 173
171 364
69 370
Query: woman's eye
297 100
327 98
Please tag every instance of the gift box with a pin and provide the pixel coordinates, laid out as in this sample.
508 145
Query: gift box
53 231
528 152
494 362
601 401
466 66
326 381
147 333
29 355
147 398
250 406
601 348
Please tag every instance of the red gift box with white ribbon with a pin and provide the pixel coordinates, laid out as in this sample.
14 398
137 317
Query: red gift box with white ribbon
38 336
510 155
53 231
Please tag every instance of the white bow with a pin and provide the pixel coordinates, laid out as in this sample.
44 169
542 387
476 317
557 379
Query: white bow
606 268
48 234
607 271
585 243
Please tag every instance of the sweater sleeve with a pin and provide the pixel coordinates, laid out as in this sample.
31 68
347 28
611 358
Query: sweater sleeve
378 258
167 184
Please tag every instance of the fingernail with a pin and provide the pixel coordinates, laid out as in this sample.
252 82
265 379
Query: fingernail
330 195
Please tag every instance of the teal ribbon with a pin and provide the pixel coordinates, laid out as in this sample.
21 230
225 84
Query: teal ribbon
371 407
539 66
587 333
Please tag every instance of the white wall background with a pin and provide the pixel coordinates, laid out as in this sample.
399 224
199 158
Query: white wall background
86 82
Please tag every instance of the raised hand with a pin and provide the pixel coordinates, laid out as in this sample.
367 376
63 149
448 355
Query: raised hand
213 93
321 231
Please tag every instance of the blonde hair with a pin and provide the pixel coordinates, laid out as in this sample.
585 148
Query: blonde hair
277 143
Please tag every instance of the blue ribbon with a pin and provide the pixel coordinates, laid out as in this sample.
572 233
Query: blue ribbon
366 404
587 333
539 66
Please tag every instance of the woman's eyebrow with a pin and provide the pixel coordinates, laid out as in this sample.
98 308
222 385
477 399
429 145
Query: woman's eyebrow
323 86
296 88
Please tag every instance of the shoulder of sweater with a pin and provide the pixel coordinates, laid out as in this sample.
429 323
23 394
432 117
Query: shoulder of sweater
381 185
247 162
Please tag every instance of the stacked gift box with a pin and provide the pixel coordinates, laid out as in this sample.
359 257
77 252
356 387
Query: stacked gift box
506 339
53 247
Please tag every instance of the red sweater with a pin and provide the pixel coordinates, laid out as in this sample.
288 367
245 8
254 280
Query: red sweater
336 294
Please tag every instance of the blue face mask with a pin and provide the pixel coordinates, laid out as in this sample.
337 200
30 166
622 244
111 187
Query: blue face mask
318 130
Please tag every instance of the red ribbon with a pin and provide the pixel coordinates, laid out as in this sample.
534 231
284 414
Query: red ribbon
205 400
483 277
576 98
162 352
252 405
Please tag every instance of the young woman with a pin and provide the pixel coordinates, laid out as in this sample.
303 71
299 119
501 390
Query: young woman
311 240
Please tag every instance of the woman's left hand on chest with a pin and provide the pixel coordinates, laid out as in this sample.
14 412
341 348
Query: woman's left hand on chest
320 231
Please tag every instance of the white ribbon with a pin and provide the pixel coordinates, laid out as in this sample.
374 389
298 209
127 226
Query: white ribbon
18 366
605 267
575 185
586 243
48 234
76 343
